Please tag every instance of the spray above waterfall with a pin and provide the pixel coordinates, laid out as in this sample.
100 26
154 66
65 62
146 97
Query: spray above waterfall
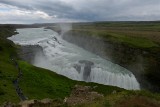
72 61
64 27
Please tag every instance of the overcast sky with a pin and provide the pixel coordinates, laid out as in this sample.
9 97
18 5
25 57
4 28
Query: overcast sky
45 11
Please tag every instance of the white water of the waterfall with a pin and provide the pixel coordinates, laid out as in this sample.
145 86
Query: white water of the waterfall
72 61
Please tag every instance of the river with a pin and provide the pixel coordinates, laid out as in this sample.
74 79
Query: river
72 61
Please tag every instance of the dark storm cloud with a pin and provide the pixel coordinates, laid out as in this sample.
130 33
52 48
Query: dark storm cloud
86 10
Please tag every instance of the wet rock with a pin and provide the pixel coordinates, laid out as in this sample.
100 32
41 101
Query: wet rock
86 73
55 39
87 69
28 53
86 62
77 67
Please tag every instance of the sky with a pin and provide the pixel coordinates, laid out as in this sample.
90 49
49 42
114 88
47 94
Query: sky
51 11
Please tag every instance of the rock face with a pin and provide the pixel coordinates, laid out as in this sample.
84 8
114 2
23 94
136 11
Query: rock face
87 65
86 73
77 67
143 63
87 69
29 52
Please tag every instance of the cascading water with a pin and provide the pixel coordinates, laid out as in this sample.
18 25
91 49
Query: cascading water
72 61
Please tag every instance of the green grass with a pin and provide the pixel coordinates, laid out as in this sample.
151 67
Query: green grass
8 71
133 41
39 83
140 26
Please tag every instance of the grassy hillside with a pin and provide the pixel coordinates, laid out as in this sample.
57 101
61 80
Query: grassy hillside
7 70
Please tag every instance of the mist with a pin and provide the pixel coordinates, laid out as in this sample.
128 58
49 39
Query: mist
63 28
41 60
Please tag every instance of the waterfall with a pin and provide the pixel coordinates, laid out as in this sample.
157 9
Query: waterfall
72 61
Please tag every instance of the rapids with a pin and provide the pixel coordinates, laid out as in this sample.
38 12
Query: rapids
72 61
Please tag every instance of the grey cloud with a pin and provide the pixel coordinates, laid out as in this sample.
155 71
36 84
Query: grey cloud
49 6
93 10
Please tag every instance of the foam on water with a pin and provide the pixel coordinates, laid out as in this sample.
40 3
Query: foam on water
61 57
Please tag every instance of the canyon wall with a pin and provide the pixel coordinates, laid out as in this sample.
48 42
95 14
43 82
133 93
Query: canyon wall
143 63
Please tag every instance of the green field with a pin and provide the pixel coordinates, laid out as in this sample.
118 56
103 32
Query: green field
137 34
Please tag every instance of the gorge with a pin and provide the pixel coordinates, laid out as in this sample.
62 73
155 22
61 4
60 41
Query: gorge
72 61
